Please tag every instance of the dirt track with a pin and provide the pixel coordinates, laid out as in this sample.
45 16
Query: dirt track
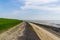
29 34
22 31
13 33
43 33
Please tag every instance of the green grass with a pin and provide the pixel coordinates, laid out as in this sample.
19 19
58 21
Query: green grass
5 24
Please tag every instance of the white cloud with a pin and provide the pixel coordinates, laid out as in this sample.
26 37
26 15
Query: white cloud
34 4
45 17
40 1
37 2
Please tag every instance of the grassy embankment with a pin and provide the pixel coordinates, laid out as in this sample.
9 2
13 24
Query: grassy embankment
5 24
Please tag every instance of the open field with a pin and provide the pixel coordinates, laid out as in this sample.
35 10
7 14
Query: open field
5 24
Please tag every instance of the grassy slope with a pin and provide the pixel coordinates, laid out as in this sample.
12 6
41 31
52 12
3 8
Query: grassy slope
8 23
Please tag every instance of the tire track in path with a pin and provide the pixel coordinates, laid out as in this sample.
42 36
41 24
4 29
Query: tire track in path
29 34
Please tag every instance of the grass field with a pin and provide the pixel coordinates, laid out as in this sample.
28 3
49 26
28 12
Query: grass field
5 24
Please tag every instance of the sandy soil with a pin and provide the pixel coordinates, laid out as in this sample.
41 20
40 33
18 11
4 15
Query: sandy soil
13 33
22 31
29 33
43 33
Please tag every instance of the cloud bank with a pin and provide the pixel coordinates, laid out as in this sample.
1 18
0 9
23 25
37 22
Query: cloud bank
31 9
48 6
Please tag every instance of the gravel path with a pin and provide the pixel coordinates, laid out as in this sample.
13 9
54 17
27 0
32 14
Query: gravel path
22 31
13 33
29 34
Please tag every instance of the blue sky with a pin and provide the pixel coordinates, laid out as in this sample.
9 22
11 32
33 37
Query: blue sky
30 9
